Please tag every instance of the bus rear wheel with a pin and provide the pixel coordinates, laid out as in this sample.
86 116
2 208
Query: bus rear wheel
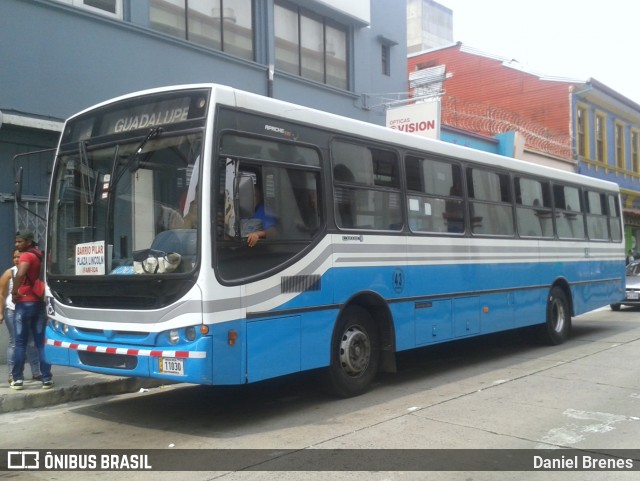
355 353
557 327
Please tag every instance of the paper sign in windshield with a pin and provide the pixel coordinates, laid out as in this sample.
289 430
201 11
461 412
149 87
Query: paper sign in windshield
90 259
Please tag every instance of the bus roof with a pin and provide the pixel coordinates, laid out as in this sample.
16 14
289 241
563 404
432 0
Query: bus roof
227 95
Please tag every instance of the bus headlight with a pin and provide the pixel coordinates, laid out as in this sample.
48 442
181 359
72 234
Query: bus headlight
61 327
174 336
190 333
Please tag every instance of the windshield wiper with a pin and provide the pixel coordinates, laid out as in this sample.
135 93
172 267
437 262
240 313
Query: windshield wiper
85 170
132 162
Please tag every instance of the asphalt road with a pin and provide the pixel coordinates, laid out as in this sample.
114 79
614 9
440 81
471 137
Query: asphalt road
496 392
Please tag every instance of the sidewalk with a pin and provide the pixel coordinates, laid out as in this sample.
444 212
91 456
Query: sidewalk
70 384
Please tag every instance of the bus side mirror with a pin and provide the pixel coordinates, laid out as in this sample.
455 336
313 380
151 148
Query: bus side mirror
246 194
17 185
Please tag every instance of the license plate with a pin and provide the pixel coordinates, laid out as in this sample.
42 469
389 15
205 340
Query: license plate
171 365
633 295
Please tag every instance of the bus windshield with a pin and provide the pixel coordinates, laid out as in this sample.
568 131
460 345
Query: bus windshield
117 204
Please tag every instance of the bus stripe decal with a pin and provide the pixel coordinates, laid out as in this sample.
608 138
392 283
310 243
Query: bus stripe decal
130 352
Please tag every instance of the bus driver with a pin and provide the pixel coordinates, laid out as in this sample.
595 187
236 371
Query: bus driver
261 224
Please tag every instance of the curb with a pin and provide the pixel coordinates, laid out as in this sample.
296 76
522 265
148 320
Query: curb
86 387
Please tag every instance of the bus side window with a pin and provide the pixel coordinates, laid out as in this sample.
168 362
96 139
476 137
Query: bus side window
344 196
614 218
569 220
367 186
596 209
533 208
305 194
436 205
490 204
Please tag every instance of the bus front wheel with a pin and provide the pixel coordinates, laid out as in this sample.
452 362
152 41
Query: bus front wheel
355 353
558 324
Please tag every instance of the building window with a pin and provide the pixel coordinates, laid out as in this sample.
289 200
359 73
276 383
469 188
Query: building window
635 151
385 55
581 129
111 8
225 25
168 16
601 137
620 160
310 46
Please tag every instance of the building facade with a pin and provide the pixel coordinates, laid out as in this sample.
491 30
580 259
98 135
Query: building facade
606 135
61 56
579 125
429 25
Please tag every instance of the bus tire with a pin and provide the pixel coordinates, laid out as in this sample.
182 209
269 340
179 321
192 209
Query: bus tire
355 353
557 327
615 307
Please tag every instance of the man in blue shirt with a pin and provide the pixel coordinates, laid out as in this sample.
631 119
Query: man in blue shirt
260 224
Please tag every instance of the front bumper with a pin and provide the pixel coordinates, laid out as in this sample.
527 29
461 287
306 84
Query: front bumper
190 363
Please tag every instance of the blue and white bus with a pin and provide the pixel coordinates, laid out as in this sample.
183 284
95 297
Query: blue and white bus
207 235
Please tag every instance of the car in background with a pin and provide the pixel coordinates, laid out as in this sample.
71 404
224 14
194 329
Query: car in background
632 293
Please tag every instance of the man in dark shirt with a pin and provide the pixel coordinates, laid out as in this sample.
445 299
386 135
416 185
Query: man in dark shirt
30 313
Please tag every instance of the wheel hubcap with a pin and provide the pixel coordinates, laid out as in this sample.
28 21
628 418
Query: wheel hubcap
558 316
355 351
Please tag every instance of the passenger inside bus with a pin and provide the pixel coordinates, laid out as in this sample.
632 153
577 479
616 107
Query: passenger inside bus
454 209
168 218
190 220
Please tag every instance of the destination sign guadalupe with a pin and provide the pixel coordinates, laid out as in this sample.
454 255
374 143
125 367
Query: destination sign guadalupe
146 116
